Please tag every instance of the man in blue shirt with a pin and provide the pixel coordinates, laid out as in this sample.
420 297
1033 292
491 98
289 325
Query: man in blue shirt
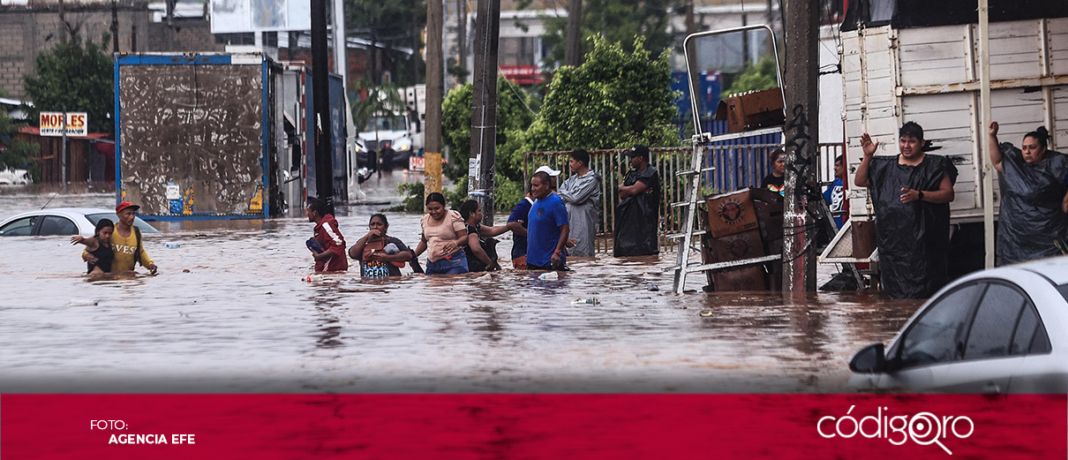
547 228
517 223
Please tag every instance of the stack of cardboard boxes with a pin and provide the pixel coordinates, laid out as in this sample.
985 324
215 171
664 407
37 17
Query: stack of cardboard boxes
744 224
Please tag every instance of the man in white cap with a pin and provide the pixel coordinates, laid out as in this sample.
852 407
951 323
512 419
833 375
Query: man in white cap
552 174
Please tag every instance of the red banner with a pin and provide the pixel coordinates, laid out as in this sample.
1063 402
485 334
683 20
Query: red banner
533 426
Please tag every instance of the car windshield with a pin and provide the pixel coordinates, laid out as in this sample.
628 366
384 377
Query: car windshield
145 228
385 123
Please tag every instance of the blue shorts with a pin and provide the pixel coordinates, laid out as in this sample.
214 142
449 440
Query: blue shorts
454 266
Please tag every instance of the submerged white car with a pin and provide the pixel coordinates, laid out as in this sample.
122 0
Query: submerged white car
1003 330
63 221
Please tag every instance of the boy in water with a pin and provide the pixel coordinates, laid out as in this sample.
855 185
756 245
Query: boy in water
99 246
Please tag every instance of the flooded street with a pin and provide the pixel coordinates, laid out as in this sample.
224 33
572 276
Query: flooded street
230 312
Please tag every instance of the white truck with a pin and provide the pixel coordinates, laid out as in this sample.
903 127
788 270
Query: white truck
400 127
930 75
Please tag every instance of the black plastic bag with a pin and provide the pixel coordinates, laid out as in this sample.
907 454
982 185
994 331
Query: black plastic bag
913 238
1030 220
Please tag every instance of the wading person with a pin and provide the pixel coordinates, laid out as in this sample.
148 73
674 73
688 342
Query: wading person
481 249
582 194
776 179
910 193
126 242
517 223
547 228
327 245
379 254
445 236
98 246
638 211
1034 197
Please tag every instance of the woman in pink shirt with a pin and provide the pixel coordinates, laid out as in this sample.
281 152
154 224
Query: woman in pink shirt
445 235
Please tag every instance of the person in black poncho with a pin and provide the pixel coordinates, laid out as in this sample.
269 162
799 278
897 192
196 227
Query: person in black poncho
638 211
1034 197
911 193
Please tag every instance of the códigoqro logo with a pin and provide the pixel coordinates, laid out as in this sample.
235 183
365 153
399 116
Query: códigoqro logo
923 428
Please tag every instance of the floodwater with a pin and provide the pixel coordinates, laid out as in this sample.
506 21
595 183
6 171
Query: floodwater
230 312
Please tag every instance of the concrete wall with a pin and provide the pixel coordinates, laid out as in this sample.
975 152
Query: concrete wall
26 32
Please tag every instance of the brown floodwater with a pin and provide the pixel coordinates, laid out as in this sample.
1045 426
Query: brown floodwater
230 311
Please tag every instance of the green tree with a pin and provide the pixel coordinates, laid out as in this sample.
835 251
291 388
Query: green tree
76 76
391 24
615 21
13 154
514 115
615 99
755 78
374 100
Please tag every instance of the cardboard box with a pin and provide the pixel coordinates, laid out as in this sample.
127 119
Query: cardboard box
769 217
863 238
734 212
739 246
740 279
752 110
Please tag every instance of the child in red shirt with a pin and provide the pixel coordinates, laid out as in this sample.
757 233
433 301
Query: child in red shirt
329 250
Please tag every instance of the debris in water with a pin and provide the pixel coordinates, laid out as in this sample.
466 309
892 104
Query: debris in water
589 301
706 313
549 276
653 287
83 303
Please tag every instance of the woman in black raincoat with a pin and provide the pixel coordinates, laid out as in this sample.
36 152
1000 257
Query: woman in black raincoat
1034 197
911 193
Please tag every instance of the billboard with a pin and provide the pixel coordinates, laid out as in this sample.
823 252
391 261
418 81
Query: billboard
238 16
52 124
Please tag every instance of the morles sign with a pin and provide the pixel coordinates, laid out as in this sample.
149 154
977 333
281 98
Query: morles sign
52 124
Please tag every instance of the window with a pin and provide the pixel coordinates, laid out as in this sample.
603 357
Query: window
1030 336
55 225
516 51
938 335
145 228
995 320
21 227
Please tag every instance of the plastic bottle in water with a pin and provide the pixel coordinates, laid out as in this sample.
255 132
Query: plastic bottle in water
172 245
589 301
549 276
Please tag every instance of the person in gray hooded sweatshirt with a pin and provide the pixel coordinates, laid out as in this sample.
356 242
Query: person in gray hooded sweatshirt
582 194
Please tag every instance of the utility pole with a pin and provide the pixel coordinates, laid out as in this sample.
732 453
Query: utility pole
434 87
341 49
324 164
691 26
802 140
461 13
984 124
63 154
115 26
484 112
573 51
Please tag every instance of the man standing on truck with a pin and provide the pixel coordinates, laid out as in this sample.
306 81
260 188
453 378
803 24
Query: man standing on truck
328 245
911 193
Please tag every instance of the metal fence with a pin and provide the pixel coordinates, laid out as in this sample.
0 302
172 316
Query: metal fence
737 166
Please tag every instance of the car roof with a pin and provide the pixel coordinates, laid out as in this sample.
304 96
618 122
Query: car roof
1054 269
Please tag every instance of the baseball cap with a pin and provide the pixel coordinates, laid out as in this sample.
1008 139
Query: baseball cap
547 170
638 150
124 205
